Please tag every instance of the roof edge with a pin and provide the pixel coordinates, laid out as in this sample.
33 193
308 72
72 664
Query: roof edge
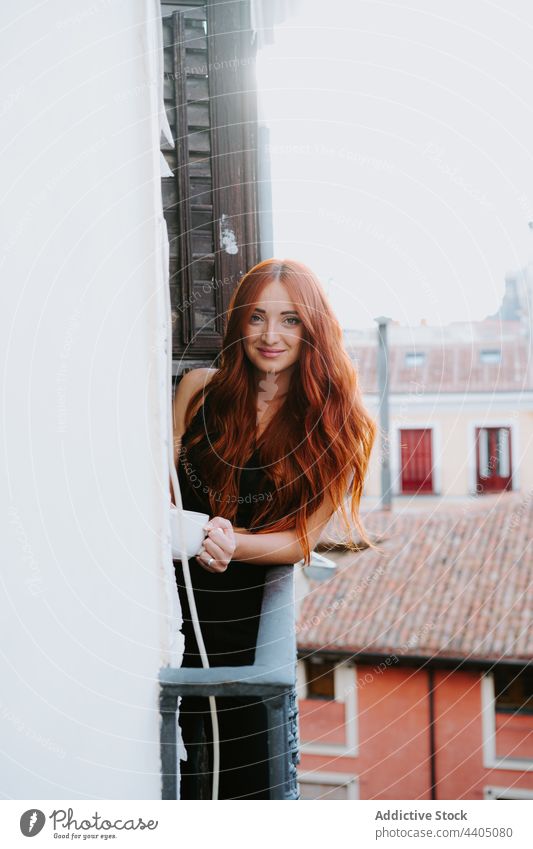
435 660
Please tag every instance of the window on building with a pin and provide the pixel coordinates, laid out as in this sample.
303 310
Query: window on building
415 358
513 689
499 793
493 456
318 790
319 678
491 356
416 461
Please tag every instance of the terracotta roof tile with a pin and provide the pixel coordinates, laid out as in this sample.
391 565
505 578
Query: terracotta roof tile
449 367
457 582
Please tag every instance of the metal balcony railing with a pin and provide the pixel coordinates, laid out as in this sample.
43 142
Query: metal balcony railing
272 677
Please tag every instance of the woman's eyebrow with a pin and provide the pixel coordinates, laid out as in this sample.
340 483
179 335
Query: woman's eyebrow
285 312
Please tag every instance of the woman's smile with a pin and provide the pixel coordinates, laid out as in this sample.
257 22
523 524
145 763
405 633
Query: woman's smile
271 352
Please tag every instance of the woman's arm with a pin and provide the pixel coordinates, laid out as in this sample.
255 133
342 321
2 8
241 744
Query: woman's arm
281 546
188 385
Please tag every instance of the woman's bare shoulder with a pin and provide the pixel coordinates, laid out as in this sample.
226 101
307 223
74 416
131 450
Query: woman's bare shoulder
193 380
198 376
189 384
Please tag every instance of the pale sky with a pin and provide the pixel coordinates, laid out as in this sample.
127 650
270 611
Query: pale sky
402 152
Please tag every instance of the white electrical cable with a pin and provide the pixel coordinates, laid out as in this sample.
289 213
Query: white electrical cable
185 560
155 61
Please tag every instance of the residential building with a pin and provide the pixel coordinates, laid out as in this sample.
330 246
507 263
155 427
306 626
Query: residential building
460 405
415 678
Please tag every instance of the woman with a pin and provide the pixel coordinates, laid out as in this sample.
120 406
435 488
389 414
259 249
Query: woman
270 444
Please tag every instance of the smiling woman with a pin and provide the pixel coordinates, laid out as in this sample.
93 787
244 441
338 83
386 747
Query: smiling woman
276 439
287 388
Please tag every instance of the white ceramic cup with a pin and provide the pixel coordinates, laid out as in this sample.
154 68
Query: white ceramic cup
193 524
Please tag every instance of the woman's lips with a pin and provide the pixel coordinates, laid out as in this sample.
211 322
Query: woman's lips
266 353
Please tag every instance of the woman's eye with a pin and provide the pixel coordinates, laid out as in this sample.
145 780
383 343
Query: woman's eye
292 319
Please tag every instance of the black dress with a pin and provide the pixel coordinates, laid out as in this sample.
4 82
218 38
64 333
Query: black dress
229 607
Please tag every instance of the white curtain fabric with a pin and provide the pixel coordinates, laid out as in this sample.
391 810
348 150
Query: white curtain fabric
267 14
165 134
503 452
484 453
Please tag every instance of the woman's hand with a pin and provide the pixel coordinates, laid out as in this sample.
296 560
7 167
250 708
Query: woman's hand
219 544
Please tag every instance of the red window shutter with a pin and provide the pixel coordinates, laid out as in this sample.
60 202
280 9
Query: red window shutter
416 460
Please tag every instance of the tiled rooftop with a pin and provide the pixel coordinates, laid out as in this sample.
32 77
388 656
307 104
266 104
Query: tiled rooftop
457 582
484 356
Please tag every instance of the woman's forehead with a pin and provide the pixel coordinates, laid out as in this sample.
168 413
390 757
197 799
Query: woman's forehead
275 296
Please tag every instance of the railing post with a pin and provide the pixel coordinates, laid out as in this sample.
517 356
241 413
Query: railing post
168 703
293 791
283 741
277 744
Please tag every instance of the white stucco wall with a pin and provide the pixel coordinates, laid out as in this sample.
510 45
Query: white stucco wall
90 612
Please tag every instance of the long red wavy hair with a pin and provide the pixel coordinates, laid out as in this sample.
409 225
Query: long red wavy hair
320 439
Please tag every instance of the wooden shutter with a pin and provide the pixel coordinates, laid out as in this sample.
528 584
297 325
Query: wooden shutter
493 459
210 201
416 460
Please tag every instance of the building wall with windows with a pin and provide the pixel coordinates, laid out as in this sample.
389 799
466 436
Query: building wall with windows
365 731
436 449
460 408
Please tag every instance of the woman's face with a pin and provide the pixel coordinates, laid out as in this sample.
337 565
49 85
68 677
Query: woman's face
273 334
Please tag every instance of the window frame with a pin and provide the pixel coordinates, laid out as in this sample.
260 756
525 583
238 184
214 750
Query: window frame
335 779
488 732
493 482
491 791
414 359
345 693
429 487
473 424
490 356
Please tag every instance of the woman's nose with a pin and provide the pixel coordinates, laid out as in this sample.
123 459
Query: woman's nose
270 335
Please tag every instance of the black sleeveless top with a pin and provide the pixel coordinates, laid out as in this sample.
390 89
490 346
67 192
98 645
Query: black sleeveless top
229 602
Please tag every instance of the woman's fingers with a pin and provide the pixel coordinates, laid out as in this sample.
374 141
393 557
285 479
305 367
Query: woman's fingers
221 538
221 557
221 532
215 550
203 556
221 523
219 544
